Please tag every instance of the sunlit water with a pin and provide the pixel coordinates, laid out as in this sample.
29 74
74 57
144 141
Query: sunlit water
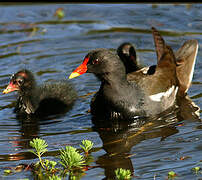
32 38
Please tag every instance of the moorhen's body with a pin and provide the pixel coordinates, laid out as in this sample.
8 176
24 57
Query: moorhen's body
136 94
185 58
49 98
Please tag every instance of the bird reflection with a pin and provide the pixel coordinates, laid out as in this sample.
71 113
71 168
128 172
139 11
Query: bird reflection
29 129
119 137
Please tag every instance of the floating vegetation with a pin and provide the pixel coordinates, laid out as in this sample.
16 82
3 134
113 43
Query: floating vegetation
171 175
123 174
59 13
71 162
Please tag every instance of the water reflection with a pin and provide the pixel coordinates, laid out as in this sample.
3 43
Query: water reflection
29 129
119 137
32 38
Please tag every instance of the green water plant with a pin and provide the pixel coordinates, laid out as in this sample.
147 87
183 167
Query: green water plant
86 146
71 162
171 175
7 171
196 169
123 174
54 177
39 146
70 158
59 13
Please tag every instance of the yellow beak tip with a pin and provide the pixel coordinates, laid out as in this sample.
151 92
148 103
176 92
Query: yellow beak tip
5 91
73 75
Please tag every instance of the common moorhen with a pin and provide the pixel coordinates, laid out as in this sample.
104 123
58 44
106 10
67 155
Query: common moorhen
127 53
136 94
185 58
45 99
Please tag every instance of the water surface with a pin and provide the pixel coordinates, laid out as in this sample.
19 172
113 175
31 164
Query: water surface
32 38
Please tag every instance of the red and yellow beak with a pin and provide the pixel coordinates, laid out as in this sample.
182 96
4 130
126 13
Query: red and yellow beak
80 69
11 87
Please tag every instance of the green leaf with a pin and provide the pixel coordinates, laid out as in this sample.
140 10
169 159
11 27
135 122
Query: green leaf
87 145
7 171
39 145
71 158
122 174
171 174
59 13
196 169
54 177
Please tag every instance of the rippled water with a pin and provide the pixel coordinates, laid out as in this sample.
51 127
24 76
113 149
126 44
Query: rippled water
32 38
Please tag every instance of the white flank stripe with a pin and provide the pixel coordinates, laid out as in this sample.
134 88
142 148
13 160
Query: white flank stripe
157 97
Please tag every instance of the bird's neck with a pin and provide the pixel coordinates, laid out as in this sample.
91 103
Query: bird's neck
114 80
29 98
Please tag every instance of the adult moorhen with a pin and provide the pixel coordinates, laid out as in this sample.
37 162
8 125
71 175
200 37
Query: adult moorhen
185 58
49 98
136 94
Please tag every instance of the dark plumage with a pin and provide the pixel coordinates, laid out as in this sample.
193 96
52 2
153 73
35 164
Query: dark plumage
46 99
185 58
126 52
136 94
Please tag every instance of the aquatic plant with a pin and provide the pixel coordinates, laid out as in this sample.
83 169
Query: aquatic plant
123 174
54 177
171 175
196 169
59 13
70 158
72 161
86 146
40 146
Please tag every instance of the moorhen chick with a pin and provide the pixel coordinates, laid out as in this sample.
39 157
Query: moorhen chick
136 94
185 58
46 99
127 53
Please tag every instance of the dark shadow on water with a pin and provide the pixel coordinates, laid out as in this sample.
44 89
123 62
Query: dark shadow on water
29 129
119 137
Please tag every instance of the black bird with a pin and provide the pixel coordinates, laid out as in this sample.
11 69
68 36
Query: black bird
127 53
124 95
45 99
185 59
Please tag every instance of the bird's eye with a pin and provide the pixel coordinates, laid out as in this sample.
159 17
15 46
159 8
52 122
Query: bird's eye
12 76
95 61
19 81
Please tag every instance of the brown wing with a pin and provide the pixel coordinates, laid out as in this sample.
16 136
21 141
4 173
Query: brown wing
164 76
165 55
159 43
185 58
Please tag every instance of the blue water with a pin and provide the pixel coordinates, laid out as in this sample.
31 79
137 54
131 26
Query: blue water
32 38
